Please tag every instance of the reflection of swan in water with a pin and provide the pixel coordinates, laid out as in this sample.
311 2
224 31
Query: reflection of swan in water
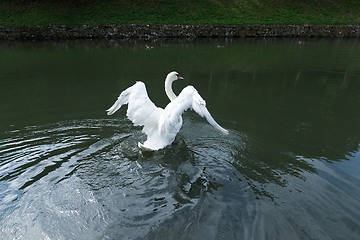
161 125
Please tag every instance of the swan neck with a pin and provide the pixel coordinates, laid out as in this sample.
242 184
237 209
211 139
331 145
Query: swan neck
168 89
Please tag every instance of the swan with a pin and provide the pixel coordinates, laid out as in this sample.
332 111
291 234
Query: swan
161 125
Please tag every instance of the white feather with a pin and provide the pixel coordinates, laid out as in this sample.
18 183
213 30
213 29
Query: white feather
161 125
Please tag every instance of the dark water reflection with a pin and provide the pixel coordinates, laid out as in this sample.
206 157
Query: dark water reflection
287 170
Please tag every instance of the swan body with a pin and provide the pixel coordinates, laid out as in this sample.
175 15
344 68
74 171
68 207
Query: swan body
161 125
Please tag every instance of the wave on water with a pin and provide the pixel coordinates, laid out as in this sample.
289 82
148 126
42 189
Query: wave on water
87 179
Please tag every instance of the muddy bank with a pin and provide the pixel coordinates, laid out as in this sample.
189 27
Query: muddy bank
176 31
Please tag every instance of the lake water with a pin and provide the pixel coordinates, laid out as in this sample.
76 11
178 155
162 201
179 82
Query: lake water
289 169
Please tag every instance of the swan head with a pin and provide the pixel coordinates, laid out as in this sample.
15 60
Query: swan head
170 78
173 76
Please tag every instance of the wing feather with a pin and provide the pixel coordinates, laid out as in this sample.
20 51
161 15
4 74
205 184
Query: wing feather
141 110
188 98
199 106
122 99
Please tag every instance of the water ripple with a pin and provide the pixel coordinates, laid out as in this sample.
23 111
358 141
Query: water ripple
87 179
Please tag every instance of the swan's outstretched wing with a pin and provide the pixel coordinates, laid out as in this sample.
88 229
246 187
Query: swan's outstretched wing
199 106
188 98
122 99
141 110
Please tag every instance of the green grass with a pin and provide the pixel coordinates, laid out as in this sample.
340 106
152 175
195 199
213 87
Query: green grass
63 12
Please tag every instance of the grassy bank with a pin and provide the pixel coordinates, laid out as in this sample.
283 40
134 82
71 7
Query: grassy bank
63 12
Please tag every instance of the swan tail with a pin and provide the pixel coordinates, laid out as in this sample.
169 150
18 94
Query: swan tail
145 149
122 99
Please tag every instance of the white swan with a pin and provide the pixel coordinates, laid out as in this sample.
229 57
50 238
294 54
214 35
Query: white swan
161 125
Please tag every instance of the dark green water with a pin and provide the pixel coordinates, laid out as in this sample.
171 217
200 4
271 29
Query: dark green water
289 169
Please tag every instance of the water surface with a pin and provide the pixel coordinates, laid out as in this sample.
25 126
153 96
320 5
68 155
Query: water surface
289 169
